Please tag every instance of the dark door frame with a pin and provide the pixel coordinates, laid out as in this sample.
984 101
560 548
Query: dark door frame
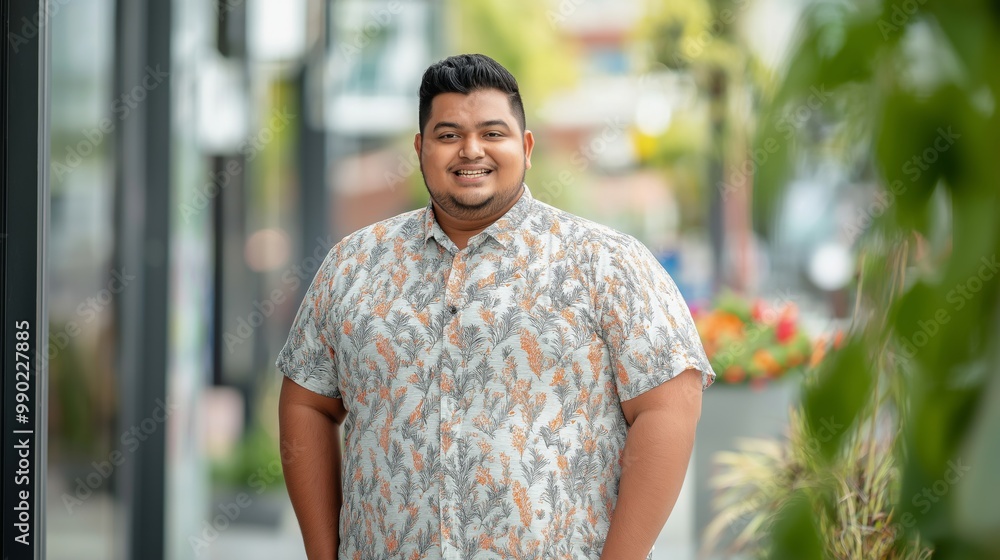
24 150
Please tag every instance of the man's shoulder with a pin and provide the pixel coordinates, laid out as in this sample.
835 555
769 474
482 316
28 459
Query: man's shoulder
583 230
408 226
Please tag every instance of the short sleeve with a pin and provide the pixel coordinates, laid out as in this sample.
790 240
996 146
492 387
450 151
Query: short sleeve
645 322
308 357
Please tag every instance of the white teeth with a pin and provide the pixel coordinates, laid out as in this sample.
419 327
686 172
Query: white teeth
471 173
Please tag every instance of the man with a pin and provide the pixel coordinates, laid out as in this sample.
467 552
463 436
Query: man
513 381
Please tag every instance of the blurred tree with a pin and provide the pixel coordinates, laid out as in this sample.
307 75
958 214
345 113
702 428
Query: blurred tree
700 38
907 89
520 35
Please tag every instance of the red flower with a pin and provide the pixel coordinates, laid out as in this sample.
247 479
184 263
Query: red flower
785 329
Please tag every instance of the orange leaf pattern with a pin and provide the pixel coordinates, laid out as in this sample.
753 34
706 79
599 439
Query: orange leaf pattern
484 386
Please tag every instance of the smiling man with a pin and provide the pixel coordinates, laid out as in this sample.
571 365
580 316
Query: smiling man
512 381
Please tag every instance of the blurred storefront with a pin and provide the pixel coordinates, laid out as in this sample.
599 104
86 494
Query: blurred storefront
193 196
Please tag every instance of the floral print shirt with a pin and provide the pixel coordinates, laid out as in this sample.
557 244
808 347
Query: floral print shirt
484 386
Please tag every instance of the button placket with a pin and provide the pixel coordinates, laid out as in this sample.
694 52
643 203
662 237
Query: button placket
456 280
452 304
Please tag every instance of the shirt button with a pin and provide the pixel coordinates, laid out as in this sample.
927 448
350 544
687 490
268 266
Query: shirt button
453 310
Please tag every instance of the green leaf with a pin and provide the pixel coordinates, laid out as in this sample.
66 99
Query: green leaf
977 494
842 389
796 536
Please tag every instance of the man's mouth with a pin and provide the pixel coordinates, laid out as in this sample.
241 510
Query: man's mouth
473 173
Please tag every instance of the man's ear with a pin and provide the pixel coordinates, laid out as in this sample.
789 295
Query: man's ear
418 143
529 144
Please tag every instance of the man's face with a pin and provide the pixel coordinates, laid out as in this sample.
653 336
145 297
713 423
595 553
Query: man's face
473 155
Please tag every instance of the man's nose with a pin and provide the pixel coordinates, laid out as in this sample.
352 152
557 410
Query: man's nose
472 148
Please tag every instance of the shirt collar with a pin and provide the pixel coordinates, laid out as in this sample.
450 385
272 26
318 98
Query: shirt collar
501 230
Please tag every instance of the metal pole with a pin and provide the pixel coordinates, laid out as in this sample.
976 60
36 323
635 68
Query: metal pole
142 187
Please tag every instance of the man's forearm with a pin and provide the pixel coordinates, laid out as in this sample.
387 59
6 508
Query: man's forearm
311 456
657 451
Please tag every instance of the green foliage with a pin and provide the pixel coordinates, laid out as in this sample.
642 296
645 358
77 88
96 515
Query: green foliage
928 324
254 462
72 406
774 500
837 395
796 534
531 49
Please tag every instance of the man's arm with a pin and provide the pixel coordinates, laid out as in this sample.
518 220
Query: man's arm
310 458
657 450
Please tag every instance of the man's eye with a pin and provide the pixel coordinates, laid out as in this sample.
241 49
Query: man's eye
494 134
448 136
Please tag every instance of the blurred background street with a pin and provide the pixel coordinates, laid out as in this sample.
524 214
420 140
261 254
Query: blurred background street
206 154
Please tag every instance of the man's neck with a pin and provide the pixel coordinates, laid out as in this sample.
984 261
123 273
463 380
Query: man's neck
460 231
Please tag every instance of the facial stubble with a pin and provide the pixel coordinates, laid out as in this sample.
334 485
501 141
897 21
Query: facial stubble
490 206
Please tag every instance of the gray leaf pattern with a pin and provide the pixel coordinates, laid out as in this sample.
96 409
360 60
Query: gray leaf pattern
484 386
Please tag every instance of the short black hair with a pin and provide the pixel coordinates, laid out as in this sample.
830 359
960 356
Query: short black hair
466 73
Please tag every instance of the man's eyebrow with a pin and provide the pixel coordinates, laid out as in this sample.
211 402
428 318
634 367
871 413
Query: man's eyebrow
484 124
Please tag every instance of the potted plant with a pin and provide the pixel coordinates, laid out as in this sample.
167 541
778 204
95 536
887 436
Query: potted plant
757 350
752 342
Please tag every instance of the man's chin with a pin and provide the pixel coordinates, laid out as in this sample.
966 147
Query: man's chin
471 202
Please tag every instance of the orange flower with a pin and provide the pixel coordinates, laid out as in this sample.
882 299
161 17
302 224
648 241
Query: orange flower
558 378
529 343
596 358
519 439
485 447
486 315
485 542
483 476
622 375
418 459
488 281
382 309
556 423
734 374
838 339
763 360
383 439
523 504
795 358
